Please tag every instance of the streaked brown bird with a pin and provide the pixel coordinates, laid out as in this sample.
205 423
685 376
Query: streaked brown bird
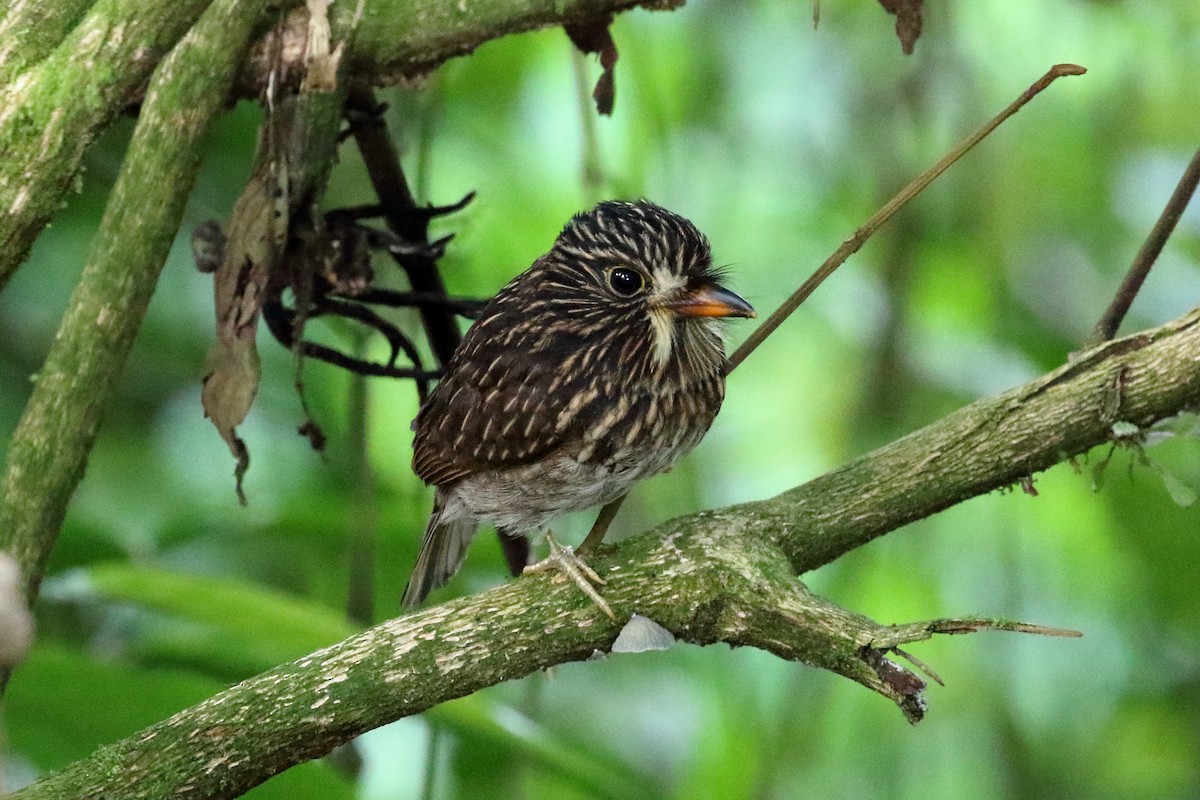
600 365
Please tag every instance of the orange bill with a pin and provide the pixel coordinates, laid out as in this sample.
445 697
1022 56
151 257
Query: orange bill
710 300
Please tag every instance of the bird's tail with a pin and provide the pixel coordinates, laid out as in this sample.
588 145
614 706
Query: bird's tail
442 553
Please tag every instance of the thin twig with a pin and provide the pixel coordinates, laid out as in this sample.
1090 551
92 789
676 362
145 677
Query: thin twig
396 340
860 236
1106 328
358 367
463 306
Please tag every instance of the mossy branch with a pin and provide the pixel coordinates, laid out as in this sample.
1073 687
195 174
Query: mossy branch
56 99
68 68
991 444
725 576
49 449
404 40
30 31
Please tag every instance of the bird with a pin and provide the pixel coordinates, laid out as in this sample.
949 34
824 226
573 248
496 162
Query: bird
599 366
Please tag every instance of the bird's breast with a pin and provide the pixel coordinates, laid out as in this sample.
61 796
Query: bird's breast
634 436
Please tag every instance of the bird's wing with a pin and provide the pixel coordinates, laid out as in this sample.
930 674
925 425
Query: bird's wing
498 406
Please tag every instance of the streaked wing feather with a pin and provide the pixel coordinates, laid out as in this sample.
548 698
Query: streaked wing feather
496 407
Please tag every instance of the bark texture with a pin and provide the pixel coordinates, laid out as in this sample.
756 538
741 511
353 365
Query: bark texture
724 576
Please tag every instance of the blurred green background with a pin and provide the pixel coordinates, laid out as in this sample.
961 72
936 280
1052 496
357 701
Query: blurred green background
777 140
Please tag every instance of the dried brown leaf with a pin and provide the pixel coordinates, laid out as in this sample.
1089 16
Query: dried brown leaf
594 37
908 21
232 370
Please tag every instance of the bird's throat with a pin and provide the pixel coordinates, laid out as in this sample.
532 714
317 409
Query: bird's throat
662 326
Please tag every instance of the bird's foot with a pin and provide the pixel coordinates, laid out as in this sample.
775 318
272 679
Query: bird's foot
563 559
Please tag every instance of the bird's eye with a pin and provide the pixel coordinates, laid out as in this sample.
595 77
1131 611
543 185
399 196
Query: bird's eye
626 282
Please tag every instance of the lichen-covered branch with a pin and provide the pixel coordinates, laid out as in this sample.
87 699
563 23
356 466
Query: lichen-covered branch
56 96
30 30
49 449
700 583
51 110
403 40
991 444
725 576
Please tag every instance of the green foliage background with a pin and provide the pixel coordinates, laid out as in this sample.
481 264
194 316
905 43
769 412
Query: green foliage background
777 140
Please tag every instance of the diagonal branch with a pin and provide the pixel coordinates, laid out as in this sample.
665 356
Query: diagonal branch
48 451
988 445
52 110
1110 320
723 576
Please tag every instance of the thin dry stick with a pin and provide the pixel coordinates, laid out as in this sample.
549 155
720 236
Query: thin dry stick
849 248
1106 328
860 236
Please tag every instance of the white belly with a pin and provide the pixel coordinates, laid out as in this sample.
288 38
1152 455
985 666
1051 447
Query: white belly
526 499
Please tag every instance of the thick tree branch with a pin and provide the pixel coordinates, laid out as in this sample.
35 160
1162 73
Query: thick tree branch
30 31
62 85
49 449
407 39
52 109
988 445
714 576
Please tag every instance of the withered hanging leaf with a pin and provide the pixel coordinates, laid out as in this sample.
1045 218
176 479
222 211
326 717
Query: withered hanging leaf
231 379
297 144
594 37
232 369
908 21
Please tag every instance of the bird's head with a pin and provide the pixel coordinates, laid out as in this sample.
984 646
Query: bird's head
643 278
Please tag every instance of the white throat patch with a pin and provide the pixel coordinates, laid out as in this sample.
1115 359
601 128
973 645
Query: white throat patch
662 321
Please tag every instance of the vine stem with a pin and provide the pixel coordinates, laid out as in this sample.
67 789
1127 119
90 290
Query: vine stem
851 245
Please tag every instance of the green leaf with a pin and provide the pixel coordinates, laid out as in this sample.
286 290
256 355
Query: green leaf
1183 495
584 765
282 622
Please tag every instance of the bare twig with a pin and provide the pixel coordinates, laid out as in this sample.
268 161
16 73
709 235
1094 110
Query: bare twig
919 631
860 236
1106 328
462 306
850 246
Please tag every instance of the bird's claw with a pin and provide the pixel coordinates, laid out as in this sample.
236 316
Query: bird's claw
564 560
